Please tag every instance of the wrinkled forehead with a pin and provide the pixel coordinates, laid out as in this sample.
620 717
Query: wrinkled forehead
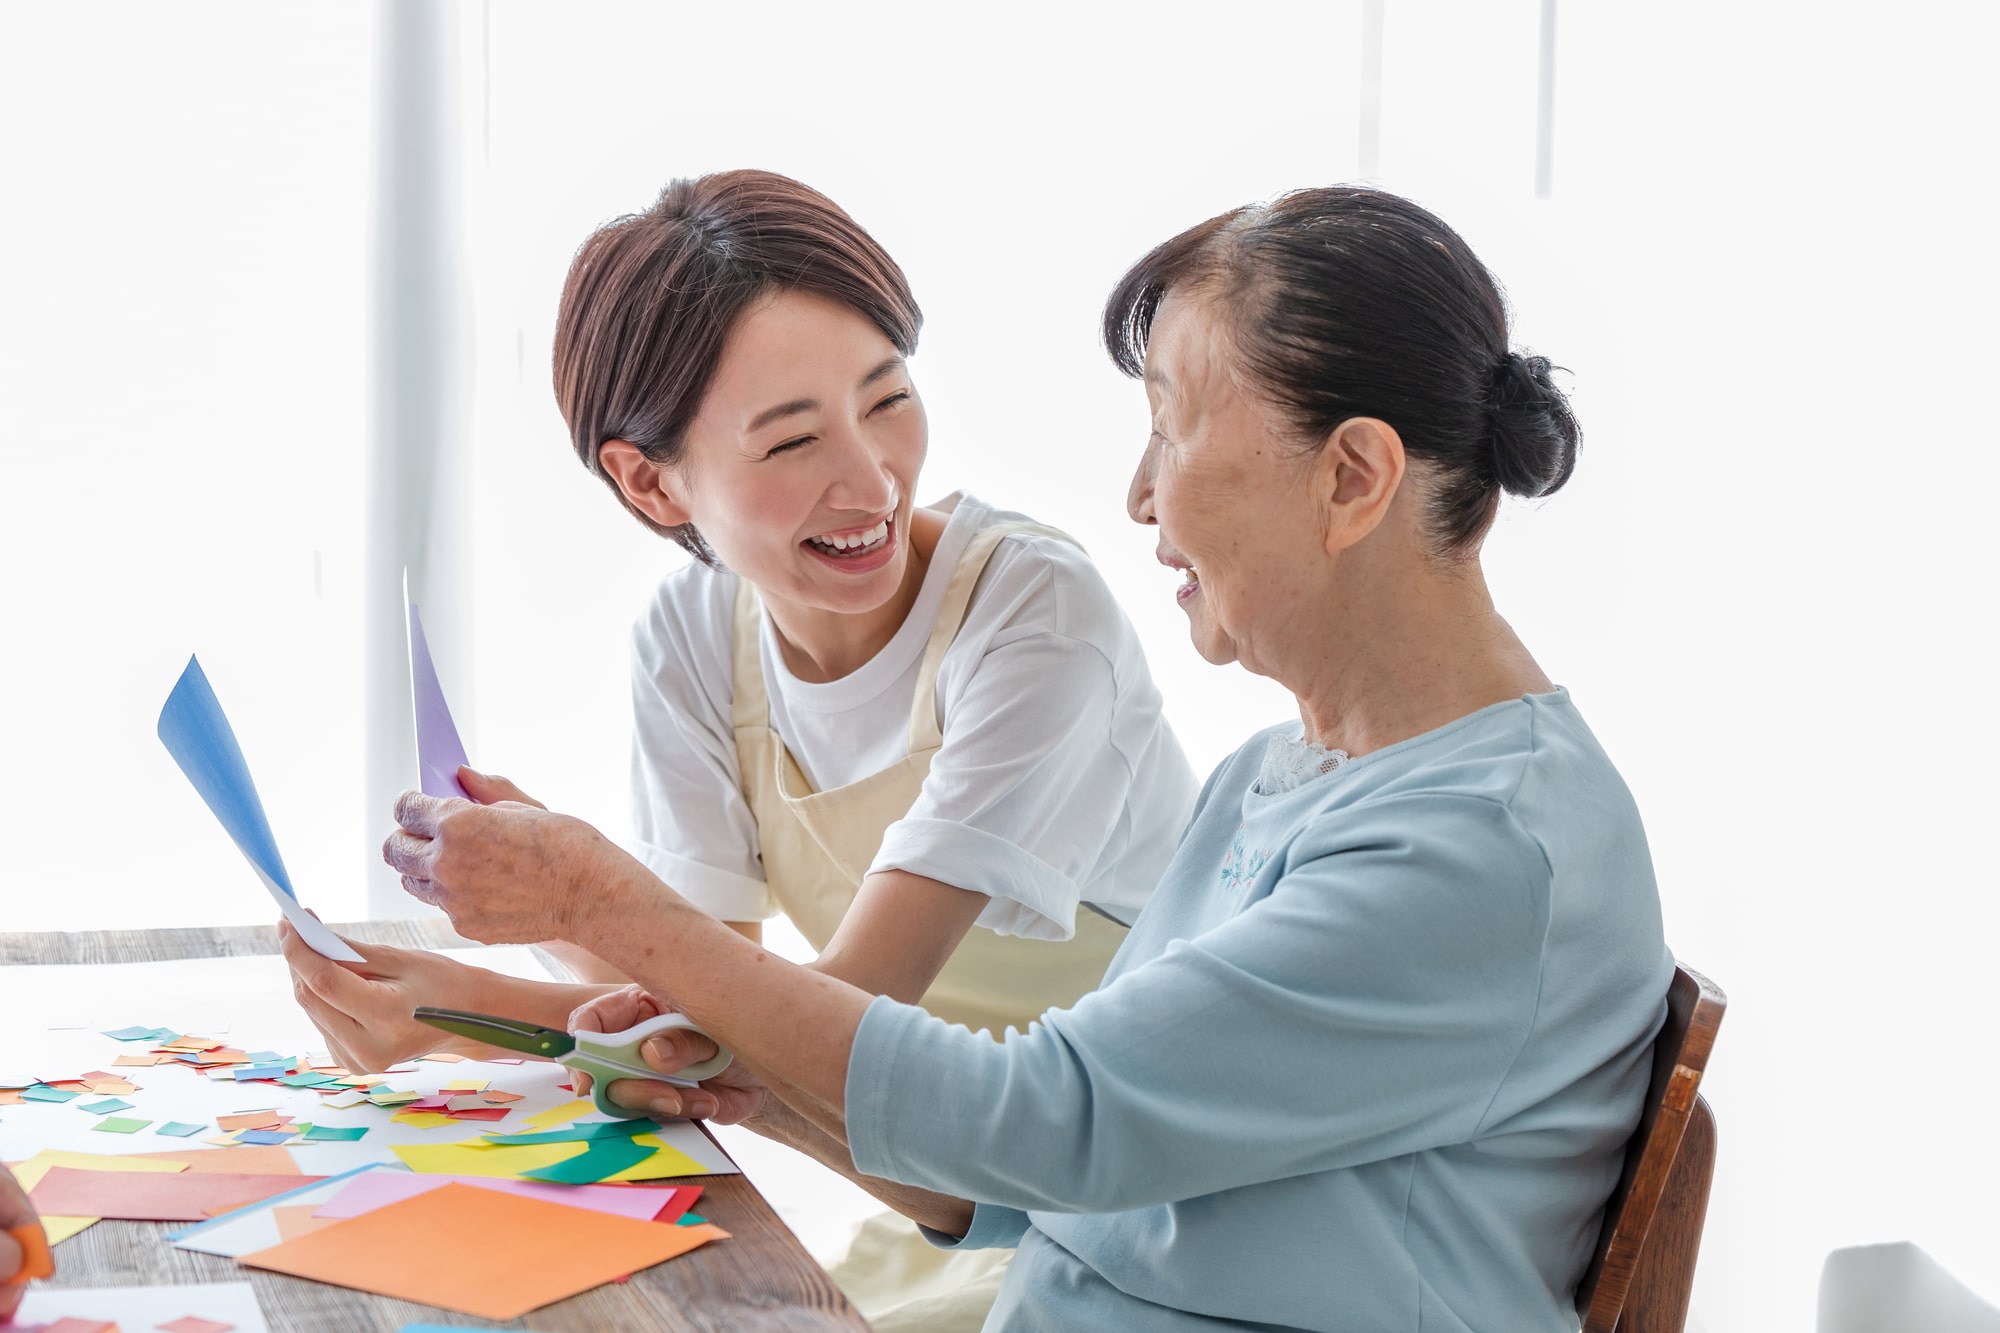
1191 366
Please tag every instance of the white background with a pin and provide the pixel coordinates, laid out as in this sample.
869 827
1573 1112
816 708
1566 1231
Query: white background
1768 259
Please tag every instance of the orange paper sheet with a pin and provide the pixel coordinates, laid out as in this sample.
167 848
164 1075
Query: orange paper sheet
481 1253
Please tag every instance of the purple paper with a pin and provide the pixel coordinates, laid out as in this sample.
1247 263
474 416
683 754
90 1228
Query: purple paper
439 750
375 1189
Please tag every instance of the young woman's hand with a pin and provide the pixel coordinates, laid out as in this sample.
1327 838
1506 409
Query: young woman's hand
733 1095
505 873
363 1009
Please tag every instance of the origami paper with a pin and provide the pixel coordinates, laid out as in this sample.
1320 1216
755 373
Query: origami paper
578 1133
378 1189
105 1107
560 1115
282 1135
600 1160
253 1227
178 1130
183 1196
334 1133
117 1124
439 750
42 1092
249 1120
232 1161
479 1252
197 734
212 1308
465 1159
30 1172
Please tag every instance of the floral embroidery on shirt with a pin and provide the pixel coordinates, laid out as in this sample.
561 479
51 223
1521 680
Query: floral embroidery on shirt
1240 867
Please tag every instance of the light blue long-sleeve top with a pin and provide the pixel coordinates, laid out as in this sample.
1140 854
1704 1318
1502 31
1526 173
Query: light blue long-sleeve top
1368 1060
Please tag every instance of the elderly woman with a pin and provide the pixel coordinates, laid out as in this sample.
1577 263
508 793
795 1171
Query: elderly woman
1370 1055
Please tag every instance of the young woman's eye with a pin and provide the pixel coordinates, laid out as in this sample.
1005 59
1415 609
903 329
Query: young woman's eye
788 446
900 396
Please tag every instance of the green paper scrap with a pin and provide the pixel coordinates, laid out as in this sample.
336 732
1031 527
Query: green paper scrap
179 1130
335 1133
106 1107
42 1092
604 1157
614 1129
118 1124
690 1220
309 1080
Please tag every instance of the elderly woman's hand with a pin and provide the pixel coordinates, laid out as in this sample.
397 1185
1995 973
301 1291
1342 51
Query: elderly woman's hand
506 873
15 1211
733 1095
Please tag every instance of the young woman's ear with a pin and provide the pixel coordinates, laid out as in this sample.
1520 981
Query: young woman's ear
648 487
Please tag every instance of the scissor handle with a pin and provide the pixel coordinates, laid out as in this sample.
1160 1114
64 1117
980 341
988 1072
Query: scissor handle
610 1055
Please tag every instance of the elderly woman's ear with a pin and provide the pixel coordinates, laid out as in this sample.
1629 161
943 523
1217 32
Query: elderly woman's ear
1359 473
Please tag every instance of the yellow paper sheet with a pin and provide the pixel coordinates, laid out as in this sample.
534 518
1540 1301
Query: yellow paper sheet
558 1115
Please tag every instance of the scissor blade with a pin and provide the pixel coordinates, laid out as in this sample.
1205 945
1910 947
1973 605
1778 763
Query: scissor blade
502 1032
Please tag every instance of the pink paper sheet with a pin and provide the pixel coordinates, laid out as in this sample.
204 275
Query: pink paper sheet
376 1189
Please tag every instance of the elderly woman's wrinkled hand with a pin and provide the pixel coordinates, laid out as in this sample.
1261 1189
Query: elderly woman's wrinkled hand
506 873
733 1095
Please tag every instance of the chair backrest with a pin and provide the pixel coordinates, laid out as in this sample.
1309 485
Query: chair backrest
1640 1277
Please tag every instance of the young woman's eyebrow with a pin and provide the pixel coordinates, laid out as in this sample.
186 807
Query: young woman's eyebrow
798 405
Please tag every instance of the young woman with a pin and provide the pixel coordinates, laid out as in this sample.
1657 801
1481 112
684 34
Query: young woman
925 733
1370 1057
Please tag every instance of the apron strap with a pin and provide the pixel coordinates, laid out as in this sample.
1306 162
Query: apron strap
925 733
749 706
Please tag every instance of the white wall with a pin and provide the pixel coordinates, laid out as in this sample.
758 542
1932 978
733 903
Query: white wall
1767 259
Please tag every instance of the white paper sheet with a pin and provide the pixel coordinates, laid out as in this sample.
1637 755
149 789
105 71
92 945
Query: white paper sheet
141 1308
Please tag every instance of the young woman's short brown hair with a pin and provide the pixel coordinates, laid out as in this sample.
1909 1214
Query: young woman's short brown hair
652 296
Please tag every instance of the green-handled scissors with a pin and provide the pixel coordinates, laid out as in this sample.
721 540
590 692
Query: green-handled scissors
602 1055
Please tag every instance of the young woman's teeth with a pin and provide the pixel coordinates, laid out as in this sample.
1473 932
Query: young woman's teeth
856 544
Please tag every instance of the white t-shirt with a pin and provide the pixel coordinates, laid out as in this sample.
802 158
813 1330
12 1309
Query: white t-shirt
1058 782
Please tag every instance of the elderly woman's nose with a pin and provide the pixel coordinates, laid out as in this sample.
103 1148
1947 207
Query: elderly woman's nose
1139 496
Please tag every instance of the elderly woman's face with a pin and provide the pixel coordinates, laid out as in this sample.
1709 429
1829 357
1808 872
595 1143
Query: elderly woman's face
1225 489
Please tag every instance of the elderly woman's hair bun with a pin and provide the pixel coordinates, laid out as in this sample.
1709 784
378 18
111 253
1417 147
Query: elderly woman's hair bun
1531 431
1347 302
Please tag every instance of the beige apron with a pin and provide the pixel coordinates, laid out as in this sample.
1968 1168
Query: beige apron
817 847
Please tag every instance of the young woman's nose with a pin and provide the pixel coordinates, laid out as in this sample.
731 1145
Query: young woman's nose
863 480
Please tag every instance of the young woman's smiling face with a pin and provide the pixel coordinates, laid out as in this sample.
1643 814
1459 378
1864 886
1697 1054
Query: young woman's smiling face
800 466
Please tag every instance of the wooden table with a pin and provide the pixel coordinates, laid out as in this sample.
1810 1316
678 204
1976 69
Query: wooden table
761 1279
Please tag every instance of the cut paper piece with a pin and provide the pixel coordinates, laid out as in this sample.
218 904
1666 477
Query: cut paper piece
487 1114
197 734
690 1220
560 1115
44 1093
30 1172
594 1129
263 1136
600 1159
141 1061
138 1034
118 1124
179 1130
345 1100
440 753
248 1120
244 1073
443 1057
424 1119
335 1133
253 1227
105 1107
194 1324
497 1097
71 1324
378 1189
234 1161
297 1219
221 1305
184 1196
467 1085
476 1159
479 1252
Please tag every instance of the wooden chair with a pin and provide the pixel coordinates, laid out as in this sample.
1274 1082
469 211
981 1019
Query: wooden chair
1642 1275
